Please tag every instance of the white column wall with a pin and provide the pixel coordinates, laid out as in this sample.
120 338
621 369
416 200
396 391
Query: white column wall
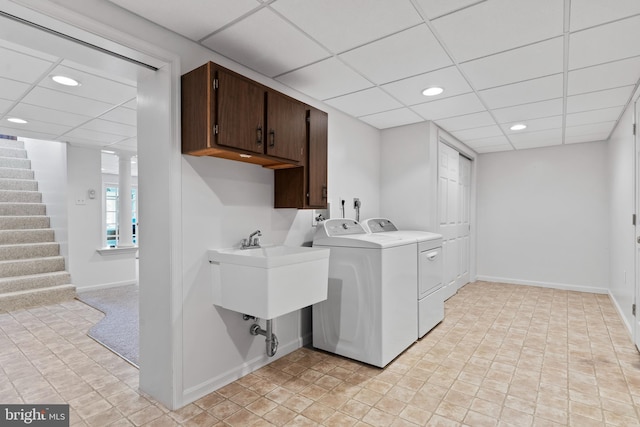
543 217
125 230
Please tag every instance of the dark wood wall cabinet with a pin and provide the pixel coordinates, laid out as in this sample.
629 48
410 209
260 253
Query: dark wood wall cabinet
227 115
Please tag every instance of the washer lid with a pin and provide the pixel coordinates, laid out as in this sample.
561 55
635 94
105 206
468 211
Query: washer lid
350 233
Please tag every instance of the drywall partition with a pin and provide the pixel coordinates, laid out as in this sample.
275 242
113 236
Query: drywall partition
543 217
49 163
89 269
621 156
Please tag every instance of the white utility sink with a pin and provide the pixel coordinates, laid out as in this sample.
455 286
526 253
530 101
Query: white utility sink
270 281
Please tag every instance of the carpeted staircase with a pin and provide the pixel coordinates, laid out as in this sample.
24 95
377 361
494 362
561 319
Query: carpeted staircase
32 272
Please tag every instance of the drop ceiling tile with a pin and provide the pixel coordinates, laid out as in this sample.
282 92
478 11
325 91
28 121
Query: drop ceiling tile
365 102
436 8
20 67
21 48
275 48
534 125
535 110
107 72
12 90
388 119
38 126
596 128
132 104
130 144
193 19
494 148
478 133
25 133
594 116
340 25
91 86
541 138
586 138
468 121
528 62
408 53
526 92
605 43
488 142
599 100
587 13
82 142
105 126
409 90
89 135
498 25
604 76
121 115
48 115
450 107
53 99
5 104
313 81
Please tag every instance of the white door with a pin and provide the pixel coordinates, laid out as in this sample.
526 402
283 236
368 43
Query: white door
464 226
454 190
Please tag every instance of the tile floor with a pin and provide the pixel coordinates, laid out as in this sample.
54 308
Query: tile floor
505 355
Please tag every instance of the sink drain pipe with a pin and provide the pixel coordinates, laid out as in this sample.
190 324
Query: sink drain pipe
271 340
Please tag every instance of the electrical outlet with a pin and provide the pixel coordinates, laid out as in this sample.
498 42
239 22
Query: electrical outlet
81 202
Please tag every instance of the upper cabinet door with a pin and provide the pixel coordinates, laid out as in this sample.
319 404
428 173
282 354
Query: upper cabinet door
286 121
240 113
317 158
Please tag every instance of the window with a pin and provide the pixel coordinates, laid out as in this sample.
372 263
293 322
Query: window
112 233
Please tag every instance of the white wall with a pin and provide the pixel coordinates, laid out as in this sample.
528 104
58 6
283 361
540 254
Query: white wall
49 162
621 150
89 269
182 354
543 217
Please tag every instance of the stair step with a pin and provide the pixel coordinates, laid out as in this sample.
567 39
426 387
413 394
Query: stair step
22 209
18 153
22 299
11 143
24 222
23 267
20 196
12 237
29 250
16 173
34 281
18 184
13 162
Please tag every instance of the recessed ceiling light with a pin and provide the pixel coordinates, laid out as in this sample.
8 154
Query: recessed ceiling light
66 81
518 126
17 120
432 91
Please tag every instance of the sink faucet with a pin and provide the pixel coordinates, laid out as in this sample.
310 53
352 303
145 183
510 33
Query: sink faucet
252 242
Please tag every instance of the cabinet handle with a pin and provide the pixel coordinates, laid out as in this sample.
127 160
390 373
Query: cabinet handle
324 192
259 135
272 138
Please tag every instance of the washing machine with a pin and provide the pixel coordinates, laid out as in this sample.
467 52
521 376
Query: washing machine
430 295
368 314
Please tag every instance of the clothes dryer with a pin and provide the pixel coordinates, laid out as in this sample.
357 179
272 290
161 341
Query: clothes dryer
369 312
430 296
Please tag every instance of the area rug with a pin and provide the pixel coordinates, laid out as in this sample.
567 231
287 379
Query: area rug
118 330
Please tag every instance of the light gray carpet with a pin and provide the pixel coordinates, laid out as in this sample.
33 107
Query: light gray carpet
118 330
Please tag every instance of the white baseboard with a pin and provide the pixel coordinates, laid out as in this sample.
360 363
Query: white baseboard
622 316
553 285
196 392
105 285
